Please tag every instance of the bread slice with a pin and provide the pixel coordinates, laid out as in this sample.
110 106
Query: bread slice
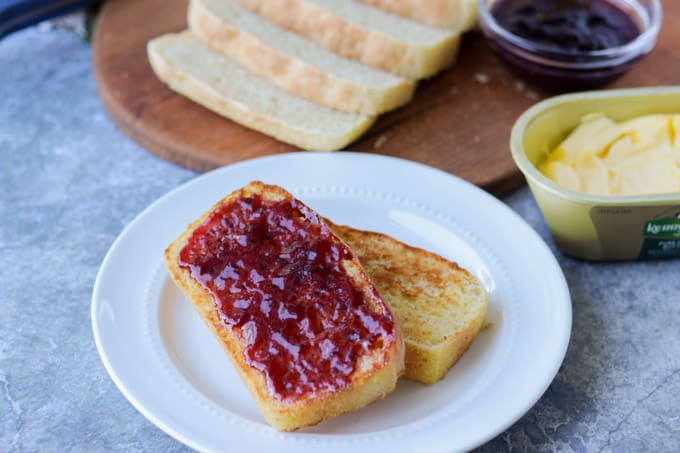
439 306
294 63
215 81
454 14
361 32
290 303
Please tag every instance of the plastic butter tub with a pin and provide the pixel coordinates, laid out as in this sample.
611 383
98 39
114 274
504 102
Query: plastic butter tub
592 227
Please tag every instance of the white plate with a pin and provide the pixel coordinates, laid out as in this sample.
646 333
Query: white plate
166 362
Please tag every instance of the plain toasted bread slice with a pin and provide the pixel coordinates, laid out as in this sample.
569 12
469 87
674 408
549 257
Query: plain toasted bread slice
360 32
454 14
439 306
294 63
217 82
290 303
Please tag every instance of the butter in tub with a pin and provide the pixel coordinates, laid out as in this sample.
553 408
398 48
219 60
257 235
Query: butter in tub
602 227
634 157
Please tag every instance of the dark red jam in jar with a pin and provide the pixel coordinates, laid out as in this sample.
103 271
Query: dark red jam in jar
274 271
571 26
570 44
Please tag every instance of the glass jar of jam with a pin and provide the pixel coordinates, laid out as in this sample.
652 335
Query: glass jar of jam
570 44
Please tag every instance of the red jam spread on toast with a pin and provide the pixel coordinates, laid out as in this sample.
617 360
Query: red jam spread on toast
274 271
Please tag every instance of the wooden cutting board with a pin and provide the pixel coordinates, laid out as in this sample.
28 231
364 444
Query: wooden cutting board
459 121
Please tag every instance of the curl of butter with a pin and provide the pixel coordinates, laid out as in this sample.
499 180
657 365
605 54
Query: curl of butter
635 157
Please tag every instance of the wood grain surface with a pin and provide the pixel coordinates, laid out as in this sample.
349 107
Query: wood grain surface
459 121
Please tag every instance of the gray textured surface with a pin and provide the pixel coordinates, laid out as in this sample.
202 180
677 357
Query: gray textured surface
70 182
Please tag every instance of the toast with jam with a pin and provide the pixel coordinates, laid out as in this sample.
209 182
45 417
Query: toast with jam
290 303
439 306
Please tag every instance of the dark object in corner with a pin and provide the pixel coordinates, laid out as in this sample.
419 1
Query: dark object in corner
18 14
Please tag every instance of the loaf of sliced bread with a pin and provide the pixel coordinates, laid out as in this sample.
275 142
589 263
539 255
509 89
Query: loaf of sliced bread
294 63
369 35
217 82
291 305
439 306
454 14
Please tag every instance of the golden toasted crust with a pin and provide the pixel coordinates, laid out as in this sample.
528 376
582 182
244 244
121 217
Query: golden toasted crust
358 42
455 14
439 306
291 72
374 377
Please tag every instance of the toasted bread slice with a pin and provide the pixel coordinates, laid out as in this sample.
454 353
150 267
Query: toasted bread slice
290 303
220 84
454 14
370 35
439 306
294 63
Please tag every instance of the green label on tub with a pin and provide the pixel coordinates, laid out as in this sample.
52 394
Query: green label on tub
661 238
637 232
653 248
667 228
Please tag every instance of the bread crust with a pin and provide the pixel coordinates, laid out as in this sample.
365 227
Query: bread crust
375 376
357 42
206 95
455 14
414 281
291 72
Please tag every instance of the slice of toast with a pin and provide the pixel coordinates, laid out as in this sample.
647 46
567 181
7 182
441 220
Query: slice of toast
301 322
294 63
367 34
458 15
218 83
439 306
